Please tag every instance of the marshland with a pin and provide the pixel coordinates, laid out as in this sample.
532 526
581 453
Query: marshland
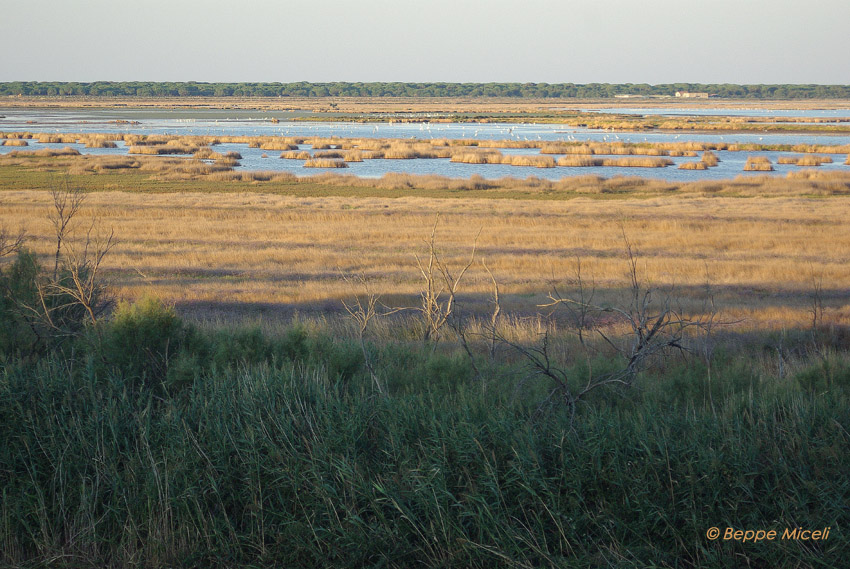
505 345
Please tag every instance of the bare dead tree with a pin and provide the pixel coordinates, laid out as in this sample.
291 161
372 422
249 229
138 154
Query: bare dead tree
493 324
654 328
363 310
75 295
816 309
441 284
84 283
67 201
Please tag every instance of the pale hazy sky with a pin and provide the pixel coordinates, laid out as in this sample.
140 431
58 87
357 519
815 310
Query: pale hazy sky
554 41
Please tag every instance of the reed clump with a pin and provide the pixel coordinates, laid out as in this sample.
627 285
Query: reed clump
207 153
278 145
758 164
807 160
325 144
579 161
17 135
44 153
100 143
49 138
170 148
95 164
328 154
15 142
400 153
635 162
710 159
295 155
534 161
478 157
698 165
325 163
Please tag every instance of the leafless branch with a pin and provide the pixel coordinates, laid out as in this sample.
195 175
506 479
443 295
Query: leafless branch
654 328
439 295
67 202
363 309
11 243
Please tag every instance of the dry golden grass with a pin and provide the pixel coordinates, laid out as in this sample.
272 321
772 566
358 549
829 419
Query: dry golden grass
809 160
15 142
328 154
273 145
477 156
100 143
207 153
535 161
47 138
684 153
44 153
633 162
163 149
241 252
758 164
325 163
400 153
710 159
295 155
578 161
698 165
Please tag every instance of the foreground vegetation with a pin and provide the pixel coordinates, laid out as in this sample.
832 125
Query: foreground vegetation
144 441
474 90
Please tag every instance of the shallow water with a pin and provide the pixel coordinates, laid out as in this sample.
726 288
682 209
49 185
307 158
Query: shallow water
258 123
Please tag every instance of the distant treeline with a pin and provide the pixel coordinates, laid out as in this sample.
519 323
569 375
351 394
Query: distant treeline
513 90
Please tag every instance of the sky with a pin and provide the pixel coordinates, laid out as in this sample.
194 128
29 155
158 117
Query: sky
552 41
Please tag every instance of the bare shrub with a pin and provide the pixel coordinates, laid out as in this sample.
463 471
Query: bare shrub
440 286
653 327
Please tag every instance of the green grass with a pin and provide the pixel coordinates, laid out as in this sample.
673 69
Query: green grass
242 449
19 177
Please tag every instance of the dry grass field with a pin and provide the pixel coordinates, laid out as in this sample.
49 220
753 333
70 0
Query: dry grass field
236 254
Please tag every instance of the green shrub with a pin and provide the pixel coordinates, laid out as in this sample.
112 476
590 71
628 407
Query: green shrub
18 290
245 346
142 339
